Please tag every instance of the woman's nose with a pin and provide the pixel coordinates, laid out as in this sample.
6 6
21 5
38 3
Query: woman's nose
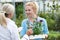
27 12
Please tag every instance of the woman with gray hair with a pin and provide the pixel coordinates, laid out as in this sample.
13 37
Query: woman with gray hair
8 28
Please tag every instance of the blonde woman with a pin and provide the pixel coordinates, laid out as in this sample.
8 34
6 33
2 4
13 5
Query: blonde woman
8 28
31 10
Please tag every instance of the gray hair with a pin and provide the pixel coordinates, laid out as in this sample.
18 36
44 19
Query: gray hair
8 8
3 19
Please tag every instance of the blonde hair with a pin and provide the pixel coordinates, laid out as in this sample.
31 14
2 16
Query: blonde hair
8 8
34 6
3 19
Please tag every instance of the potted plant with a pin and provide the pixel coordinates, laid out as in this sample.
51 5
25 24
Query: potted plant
36 26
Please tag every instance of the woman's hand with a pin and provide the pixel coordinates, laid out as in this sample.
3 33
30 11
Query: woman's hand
29 32
46 35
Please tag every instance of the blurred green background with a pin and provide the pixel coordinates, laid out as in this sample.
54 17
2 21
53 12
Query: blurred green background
52 16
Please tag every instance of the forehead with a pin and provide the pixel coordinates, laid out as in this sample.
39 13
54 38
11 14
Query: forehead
28 7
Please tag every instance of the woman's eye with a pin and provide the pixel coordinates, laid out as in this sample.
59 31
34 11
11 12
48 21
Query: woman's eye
29 10
25 10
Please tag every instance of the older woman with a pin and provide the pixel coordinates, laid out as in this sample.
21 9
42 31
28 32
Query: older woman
31 10
8 28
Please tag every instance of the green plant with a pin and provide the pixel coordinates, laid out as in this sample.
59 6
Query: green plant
37 27
19 13
53 35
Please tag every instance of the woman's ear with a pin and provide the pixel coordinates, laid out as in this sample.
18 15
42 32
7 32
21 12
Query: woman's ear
6 15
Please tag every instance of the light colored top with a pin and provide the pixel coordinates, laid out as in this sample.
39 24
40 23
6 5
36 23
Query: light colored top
9 33
25 26
25 37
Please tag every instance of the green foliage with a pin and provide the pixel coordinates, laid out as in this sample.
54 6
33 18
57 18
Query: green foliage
19 13
53 20
58 21
53 35
53 24
37 28
50 20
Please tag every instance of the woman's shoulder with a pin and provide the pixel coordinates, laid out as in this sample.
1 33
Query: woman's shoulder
9 20
40 18
24 20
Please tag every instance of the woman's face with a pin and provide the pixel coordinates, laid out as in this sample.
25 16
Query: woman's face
29 11
10 15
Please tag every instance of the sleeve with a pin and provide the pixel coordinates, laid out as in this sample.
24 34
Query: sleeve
45 27
25 37
23 31
15 33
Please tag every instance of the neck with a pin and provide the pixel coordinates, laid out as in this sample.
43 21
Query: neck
35 16
32 19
